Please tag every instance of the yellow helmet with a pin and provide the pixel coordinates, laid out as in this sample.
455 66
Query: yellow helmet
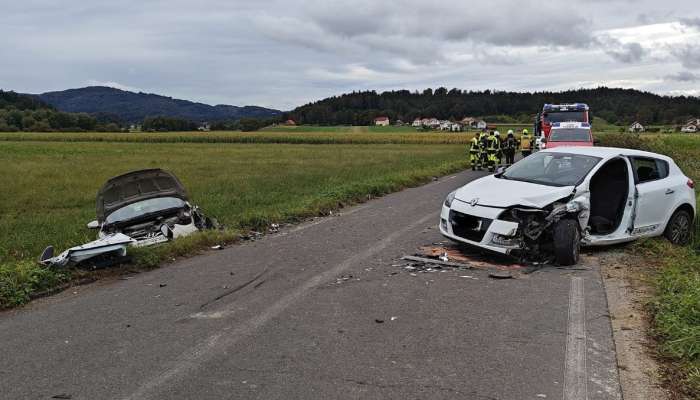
525 131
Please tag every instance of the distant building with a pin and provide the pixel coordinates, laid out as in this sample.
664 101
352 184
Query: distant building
636 127
381 121
290 122
417 123
692 126
468 122
204 127
480 124
456 127
135 128
399 123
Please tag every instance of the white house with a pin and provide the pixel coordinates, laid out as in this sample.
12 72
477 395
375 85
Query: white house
381 121
417 123
445 125
456 127
468 122
204 127
692 126
480 124
636 127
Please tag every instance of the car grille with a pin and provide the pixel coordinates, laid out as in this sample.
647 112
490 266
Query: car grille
467 226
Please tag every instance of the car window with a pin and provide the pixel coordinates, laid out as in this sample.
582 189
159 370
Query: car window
649 169
553 169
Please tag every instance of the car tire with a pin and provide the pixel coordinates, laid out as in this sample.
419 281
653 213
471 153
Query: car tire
679 228
567 242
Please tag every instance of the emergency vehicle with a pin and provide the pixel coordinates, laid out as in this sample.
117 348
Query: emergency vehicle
559 113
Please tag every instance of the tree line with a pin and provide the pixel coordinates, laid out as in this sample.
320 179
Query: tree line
26 113
617 106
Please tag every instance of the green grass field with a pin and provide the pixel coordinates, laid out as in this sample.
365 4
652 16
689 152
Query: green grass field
49 189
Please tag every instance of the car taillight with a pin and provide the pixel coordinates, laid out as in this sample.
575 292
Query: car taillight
691 184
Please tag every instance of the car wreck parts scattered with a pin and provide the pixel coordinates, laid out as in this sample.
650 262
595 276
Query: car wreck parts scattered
546 206
140 208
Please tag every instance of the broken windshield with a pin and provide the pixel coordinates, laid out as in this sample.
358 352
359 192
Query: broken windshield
144 207
552 169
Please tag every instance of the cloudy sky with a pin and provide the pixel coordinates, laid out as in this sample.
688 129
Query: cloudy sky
285 53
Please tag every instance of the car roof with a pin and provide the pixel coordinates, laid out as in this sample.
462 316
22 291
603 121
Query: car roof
605 152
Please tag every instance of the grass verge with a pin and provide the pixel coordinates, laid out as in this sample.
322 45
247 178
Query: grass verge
49 192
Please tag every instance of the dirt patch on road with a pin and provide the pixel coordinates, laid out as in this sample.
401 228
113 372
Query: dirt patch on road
627 291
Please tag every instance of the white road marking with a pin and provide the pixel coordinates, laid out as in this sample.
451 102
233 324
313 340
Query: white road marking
323 220
219 342
575 379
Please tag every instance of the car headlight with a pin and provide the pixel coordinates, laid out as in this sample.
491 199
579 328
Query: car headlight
450 198
573 206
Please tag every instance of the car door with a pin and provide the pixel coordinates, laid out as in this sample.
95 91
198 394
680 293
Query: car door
654 194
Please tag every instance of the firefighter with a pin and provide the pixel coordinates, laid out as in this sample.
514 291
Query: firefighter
499 153
509 147
526 143
492 149
483 146
475 152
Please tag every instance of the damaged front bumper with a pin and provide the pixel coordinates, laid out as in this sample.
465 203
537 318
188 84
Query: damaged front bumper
479 226
109 246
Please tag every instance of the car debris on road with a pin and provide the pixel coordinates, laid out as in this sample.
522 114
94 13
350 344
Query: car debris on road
140 208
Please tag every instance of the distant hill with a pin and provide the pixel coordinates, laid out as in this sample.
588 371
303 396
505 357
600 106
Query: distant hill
619 106
131 107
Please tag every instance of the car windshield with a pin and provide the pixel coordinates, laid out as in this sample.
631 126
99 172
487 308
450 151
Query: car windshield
570 135
143 207
553 169
565 116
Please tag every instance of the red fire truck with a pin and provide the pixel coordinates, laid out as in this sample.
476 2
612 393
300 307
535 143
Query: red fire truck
557 113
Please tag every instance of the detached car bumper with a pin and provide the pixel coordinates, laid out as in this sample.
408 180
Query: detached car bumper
479 226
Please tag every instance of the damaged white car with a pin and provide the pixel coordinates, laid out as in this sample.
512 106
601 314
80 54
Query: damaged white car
545 206
139 208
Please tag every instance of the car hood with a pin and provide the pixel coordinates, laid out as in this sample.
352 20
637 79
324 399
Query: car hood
495 192
136 186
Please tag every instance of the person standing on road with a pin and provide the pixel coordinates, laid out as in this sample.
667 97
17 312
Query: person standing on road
499 153
483 146
526 143
492 149
475 152
510 146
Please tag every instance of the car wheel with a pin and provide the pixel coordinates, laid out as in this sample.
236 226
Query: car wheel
679 228
567 242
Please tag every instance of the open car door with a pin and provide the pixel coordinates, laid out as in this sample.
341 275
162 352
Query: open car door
653 192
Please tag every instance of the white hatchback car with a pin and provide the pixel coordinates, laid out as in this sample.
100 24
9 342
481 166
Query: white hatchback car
550 203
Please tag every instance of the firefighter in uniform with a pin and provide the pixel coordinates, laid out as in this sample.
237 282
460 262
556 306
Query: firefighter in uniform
509 147
492 149
526 143
483 149
499 153
474 152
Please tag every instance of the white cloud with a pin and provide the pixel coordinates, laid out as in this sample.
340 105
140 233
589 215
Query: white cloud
285 53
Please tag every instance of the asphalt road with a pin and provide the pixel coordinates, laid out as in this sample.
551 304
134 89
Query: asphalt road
281 318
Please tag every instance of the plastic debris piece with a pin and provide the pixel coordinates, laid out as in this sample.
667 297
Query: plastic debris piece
501 275
217 247
444 257
394 318
62 396
379 321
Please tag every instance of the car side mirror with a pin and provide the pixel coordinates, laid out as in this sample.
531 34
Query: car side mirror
93 225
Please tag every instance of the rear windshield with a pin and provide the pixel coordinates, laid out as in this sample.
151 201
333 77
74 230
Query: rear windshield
570 135
552 168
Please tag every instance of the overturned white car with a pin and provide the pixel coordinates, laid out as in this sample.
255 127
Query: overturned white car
548 204
139 208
